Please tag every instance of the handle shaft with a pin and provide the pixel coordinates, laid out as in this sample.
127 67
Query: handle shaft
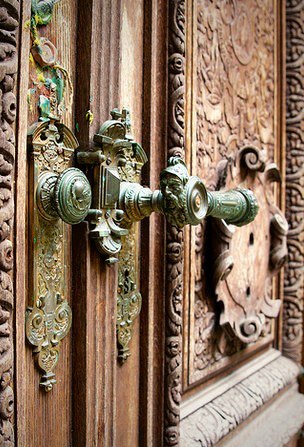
237 206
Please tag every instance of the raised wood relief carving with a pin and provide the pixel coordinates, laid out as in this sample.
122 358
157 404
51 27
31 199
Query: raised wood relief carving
235 103
209 424
294 283
244 261
174 249
9 21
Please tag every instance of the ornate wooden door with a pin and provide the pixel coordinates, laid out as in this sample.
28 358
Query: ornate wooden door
195 336
233 331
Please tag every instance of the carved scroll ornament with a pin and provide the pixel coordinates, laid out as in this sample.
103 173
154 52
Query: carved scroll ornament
242 271
235 106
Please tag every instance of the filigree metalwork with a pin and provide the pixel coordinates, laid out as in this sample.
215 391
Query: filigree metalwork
49 316
117 161
129 298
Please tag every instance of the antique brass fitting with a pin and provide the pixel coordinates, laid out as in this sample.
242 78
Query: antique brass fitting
114 202
119 199
67 195
183 199
59 193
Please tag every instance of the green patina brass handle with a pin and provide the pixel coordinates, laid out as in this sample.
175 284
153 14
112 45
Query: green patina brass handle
118 200
183 199
66 196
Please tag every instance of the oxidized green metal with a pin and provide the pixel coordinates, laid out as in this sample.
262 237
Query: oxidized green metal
116 161
49 77
58 191
238 206
67 195
183 199
119 200
42 11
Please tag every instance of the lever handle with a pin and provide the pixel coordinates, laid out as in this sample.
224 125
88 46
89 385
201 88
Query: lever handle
67 196
184 199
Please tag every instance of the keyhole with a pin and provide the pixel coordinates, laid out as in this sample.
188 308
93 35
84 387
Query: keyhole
248 292
251 239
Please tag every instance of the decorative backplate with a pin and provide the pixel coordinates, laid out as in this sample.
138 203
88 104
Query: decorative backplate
129 297
117 159
49 316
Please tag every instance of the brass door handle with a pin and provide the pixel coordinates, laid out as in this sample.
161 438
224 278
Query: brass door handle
184 199
67 195
115 200
58 194
119 199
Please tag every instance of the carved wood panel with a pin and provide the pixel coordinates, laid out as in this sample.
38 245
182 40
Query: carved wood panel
9 21
234 143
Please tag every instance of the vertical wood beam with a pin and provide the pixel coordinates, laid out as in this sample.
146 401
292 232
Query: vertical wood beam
94 284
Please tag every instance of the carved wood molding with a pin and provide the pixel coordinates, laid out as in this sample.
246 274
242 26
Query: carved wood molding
214 420
294 284
274 426
9 21
174 249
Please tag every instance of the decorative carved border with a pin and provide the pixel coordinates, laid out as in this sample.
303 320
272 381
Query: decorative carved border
9 22
175 238
294 273
210 423
274 426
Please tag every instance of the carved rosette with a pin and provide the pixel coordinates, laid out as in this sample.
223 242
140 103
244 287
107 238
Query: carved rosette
175 244
294 272
9 21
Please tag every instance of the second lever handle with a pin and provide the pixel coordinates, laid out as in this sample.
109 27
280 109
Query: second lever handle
183 199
